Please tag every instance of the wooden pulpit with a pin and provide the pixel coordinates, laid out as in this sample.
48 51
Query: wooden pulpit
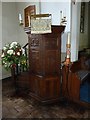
44 64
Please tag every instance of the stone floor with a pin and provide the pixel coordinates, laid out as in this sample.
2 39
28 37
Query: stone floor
24 107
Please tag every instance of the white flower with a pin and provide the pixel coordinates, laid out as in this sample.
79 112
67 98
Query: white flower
10 52
3 62
7 45
20 49
18 53
4 48
2 55
5 65
13 44
10 47
14 53
19 64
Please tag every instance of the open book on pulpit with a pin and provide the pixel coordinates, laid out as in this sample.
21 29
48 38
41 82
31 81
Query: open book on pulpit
41 23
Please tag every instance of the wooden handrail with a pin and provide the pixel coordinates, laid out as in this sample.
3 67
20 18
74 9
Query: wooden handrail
25 45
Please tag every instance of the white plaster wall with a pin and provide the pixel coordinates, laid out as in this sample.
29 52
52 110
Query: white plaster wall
9 22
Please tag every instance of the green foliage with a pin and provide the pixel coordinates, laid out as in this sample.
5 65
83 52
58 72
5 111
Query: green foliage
13 54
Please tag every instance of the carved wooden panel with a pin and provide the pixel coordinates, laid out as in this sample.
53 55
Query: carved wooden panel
51 62
35 62
34 42
34 84
51 42
45 87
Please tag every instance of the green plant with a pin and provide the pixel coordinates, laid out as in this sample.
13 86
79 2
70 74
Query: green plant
13 54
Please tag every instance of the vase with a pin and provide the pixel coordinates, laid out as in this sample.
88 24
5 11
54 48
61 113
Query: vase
14 77
13 73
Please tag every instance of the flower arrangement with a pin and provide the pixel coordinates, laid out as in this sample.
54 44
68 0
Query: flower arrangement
13 54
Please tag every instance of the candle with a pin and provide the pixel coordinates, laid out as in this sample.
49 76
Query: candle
20 17
68 40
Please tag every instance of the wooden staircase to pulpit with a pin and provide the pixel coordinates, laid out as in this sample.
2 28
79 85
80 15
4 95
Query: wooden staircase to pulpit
43 79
